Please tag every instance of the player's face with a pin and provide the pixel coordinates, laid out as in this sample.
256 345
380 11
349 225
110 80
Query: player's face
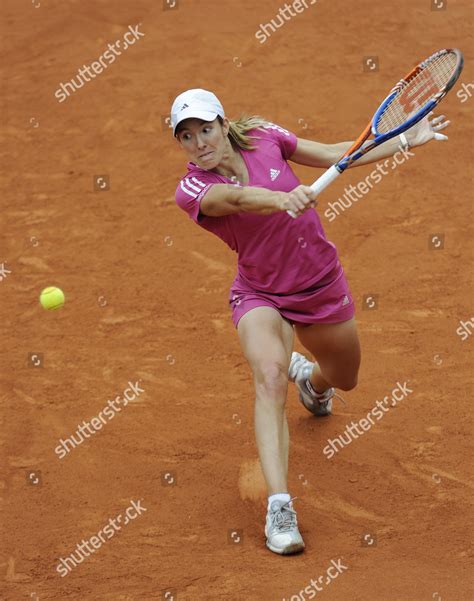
204 141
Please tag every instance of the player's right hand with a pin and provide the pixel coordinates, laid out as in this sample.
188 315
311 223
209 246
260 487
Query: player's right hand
298 200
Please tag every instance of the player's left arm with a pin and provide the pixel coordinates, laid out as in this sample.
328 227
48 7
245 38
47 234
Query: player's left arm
316 154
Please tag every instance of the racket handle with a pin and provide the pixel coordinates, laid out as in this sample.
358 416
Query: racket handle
326 178
322 182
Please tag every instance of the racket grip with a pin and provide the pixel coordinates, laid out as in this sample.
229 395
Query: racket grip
322 182
326 178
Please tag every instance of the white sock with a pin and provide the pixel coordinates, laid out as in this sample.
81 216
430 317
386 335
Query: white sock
281 496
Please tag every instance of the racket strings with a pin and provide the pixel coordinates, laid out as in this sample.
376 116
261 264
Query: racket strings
420 89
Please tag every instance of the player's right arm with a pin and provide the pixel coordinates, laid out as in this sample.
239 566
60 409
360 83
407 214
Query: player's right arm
223 199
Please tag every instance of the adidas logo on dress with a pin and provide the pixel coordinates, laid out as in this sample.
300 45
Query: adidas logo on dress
345 301
274 173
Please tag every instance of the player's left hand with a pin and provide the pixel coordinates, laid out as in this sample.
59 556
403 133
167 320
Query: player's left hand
427 129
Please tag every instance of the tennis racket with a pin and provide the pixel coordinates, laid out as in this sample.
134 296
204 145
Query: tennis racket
414 97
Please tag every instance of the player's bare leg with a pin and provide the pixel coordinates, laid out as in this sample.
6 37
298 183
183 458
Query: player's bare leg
267 340
336 350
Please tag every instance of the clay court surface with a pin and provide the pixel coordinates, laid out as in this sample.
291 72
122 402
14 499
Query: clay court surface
147 304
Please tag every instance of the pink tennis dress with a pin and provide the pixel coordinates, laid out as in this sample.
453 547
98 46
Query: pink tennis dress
284 263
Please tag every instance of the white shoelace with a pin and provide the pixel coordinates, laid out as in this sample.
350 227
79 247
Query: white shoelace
323 398
284 518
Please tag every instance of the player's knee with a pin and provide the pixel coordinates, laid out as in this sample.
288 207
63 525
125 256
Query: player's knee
271 377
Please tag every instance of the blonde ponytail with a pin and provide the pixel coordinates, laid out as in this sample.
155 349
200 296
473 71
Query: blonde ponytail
239 128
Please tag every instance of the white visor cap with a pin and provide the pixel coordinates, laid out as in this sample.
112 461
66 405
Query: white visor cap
197 104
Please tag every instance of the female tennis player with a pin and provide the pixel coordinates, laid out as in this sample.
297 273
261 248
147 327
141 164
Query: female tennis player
239 186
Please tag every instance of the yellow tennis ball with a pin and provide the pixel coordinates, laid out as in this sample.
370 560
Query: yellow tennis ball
52 298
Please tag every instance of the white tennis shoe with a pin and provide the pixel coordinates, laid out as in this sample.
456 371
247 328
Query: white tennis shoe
281 529
299 372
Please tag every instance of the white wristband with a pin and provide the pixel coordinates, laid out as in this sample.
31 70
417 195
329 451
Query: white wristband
404 141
